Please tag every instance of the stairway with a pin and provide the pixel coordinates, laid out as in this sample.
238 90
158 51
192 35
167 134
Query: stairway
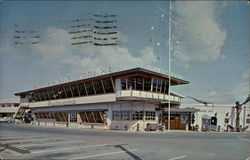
21 110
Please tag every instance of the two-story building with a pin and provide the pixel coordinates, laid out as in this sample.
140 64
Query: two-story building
8 107
121 100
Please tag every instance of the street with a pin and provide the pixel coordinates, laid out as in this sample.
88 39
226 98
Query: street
78 143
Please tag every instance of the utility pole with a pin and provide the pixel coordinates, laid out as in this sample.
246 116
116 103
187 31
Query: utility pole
169 59
238 110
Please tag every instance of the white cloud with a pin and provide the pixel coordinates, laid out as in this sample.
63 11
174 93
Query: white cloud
201 37
58 52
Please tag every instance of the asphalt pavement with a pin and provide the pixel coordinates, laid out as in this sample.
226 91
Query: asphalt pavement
78 143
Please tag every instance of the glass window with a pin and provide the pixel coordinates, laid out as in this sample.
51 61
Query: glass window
137 115
166 90
98 87
3 105
150 115
68 91
73 117
147 84
61 92
163 87
16 104
8 104
90 88
75 91
159 84
125 115
116 115
248 120
82 89
138 83
108 85
155 85
123 83
131 83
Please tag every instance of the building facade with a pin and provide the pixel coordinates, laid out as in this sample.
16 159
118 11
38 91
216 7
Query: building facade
225 114
126 100
8 107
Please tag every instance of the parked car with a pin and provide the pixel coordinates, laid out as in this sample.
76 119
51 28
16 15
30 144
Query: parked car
7 120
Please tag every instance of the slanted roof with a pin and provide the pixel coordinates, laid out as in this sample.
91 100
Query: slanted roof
134 71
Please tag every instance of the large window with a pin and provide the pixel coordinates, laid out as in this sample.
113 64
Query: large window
131 83
68 91
82 89
121 115
139 82
125 115
75 91
73 117
137 115
98 87
147 84
108 85
116 115
90 88
150 115
123 83
155 85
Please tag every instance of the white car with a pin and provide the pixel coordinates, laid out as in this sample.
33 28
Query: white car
7 120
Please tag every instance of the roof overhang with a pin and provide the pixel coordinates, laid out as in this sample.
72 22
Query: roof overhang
134 71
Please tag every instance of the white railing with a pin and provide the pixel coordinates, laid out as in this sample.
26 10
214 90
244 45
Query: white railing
143 94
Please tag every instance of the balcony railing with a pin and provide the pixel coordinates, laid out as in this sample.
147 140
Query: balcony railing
143 94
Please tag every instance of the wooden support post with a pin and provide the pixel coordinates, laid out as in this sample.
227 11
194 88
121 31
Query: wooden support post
86 117
93 116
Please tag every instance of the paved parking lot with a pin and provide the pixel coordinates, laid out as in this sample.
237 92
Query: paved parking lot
66 143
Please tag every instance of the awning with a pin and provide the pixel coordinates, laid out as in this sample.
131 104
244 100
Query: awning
180 110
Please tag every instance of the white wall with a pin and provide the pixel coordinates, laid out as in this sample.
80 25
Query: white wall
221 111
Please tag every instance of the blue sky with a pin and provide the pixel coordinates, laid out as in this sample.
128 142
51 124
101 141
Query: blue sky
210 44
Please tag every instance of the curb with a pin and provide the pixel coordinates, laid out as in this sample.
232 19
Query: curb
16 149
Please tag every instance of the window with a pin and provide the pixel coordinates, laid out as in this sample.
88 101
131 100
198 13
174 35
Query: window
123 83
61 92
121 115
226 120
138 83
248 120
150 115
154 85
16 104
75 91
131 83
125 115
50 93
68 91
90 89
166 90
73 117
163 88
8 104
45 95
3 105
108 85
98 87
159 83
116 115
147 84
137 115
82 89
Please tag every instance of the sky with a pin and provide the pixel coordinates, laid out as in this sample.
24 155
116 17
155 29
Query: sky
210 43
